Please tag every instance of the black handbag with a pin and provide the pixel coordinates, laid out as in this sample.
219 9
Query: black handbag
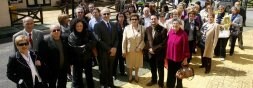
234 32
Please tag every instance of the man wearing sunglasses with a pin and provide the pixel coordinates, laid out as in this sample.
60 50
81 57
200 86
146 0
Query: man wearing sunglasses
106 47
35 37
56 54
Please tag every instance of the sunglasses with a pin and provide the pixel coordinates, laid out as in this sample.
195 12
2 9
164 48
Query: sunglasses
134 19
23 44
56 30
106 14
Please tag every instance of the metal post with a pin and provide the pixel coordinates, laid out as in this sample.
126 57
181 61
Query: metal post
73 8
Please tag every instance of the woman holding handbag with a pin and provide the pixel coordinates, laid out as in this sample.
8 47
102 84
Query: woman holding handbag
132 45
177 52
236 23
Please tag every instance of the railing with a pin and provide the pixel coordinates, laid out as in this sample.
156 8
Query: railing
16 15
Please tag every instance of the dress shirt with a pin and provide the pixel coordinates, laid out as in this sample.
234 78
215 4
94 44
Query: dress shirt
177 46
27 34
33 69
92 23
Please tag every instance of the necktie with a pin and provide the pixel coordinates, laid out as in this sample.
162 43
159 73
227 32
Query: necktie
30 39
109 27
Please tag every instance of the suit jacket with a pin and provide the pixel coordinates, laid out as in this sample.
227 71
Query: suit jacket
52 54
187 28
131 42
18 69
37 37
211 39
158 43
107 39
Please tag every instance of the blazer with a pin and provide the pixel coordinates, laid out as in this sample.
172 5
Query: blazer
158 42
18 69
52 54
237 21
107 38
37 37
130 42
211 39
187 28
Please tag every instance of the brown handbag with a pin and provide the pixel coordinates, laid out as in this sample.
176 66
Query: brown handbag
185 72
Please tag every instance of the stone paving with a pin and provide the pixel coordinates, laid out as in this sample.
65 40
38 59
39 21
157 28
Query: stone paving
235 72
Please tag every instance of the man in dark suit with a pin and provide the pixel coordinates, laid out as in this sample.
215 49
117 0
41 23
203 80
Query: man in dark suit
155 39
191 26
106 46
56 54
35 36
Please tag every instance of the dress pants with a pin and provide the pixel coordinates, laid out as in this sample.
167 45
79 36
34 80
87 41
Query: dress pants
232 47
106 68
58 78
157 64
78 67
173 67
240 38
192 49
220 49
119 60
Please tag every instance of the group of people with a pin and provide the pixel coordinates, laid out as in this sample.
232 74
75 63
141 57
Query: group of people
73 46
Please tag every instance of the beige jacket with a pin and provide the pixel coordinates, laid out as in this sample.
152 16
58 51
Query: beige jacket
133 40
211 39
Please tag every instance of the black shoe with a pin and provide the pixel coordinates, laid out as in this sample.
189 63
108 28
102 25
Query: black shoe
151 83
241 47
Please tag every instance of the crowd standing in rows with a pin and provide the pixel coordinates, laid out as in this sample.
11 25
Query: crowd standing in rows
164 39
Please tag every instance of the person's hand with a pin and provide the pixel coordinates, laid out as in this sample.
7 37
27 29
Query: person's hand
113 51
37 63
124 55
151 51
185 62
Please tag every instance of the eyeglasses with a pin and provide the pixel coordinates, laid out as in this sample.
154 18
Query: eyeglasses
106 14
134 19
56 30
23 44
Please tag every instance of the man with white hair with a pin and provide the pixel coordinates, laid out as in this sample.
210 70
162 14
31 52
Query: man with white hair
56 54
146 20
35 36
107 38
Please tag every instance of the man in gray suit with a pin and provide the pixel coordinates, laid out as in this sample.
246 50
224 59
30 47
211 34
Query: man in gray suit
34 36
106 47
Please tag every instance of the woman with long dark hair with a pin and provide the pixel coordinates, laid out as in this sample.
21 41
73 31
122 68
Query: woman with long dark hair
81 42
120 60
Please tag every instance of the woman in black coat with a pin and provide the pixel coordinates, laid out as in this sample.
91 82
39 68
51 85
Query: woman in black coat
24 67
81 41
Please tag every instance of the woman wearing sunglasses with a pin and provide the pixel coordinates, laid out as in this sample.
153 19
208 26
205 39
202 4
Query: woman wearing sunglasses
24 66
132 45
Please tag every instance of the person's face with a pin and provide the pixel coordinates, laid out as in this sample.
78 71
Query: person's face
175 15
237 4
121 17
180 8
127 14
234 11
79 13
146 12
176 25
162 18
210 19
56 32
66 21
191 16
106 15
95 13
28 25
133 1
79 27
134 20
196 7
91 8
154 20
131 9
22 46
221 10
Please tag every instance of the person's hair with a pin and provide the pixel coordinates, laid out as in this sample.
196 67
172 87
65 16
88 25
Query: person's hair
207 3
174 11
162 14
61 18
177 20
74 22
26 19
211 14
21 38
97 10
117 16
191 12
132 6
222 6
91 4
79 8
135 15
197 2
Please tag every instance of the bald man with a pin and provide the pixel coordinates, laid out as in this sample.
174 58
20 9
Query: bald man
35 36
56 55
106 47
